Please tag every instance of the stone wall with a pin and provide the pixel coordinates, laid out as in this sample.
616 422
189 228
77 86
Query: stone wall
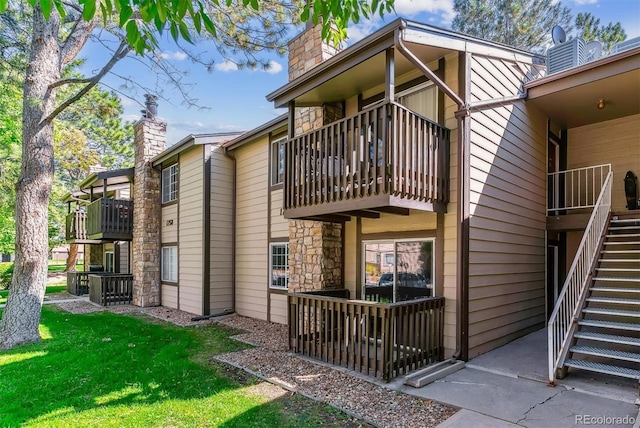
93 255
315 248
149 141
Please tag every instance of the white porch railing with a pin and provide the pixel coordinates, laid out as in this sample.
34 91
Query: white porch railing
564 319
576 188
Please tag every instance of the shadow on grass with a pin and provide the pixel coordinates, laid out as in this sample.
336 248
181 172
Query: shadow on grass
103 369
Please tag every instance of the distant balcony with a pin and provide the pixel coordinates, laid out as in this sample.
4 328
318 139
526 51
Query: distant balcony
384 158
76 228
110 220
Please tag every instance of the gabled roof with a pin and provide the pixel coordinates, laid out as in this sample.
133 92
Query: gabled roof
272 125
193 140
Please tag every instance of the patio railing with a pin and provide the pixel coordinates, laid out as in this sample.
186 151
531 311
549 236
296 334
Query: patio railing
382 340
109 289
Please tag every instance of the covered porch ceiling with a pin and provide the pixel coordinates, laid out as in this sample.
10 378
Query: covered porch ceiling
367 74
570 98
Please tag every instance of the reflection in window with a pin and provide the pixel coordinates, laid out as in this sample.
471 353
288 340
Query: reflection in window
406 271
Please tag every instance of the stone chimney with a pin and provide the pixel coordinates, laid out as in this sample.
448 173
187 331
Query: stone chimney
149 141
315 248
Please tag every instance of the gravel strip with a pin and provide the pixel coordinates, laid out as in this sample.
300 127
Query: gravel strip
356 395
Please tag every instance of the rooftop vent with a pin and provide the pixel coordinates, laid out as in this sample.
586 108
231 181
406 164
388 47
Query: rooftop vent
625 46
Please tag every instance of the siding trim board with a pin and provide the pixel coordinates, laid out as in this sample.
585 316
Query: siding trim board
206 233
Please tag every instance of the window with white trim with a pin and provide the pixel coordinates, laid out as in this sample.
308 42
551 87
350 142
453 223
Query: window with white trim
277 161
170 183
279 265
169 264
109 261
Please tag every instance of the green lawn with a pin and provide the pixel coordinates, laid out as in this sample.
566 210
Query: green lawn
107 370
51 289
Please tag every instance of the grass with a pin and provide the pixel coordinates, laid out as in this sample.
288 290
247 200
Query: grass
111 370
51 289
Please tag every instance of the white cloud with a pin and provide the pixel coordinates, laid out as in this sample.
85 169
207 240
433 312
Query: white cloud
177 55
443 8
274 67
583 2
226 65
228 127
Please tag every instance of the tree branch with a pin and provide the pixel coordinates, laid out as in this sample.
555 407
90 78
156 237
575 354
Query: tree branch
70 81
120 53
76 39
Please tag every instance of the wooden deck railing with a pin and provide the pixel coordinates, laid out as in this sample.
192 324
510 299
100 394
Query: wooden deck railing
111 288
384 150
76 226
110 218
78 283
383 340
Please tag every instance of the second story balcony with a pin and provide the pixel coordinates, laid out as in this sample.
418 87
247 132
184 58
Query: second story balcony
386 158
110 219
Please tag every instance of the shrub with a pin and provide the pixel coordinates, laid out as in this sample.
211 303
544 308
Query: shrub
6 271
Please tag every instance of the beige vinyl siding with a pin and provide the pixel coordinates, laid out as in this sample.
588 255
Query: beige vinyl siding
451 217
616 142
190 228
251 228
279 308
279 224
221 268
169 233
416 220
507 210
170 296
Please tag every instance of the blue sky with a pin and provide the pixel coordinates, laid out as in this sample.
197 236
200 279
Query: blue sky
234 100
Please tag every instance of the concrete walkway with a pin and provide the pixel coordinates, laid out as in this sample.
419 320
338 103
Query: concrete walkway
53 301
508 387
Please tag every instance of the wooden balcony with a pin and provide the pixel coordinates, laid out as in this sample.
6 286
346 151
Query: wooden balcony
110 220
381 340
76 229
384 159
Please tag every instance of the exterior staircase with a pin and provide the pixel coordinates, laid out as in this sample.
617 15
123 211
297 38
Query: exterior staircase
607 339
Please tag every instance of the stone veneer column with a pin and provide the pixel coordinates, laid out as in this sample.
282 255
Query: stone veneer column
149 141
315 248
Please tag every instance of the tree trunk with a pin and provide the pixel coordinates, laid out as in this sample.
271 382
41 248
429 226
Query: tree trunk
21 316
72 259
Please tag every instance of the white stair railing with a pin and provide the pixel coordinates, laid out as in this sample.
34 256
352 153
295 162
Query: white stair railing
564 319
576 188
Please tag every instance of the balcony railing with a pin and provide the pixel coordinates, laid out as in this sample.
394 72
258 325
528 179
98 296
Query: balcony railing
386 155
76 226
110 219
382 340
575 188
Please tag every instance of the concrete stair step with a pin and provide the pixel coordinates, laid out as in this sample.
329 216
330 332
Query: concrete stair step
614 312
603 368
613 300
608 338
612 325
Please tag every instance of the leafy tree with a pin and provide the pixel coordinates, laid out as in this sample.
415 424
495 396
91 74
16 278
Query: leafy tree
58 31
589 28
525 24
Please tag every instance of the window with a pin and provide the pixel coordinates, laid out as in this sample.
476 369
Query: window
170 183
407 272
277 161
279 265
169 264
109 261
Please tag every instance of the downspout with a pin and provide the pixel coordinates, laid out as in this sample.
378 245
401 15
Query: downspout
463 116
228 155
